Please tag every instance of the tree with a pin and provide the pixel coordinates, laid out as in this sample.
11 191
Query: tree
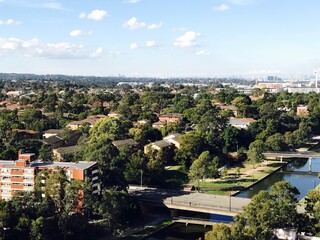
117 208
200 167
276 142
45 153
268 211
255 153
190 148
36 229
230 137
112 128
285 200
66 195
219 231
312 207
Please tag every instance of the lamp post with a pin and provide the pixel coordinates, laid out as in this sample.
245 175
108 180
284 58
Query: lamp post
141 173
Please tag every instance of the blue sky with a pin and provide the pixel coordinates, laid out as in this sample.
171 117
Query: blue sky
160 38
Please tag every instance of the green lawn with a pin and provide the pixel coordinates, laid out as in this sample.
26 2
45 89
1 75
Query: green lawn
175 177
232 184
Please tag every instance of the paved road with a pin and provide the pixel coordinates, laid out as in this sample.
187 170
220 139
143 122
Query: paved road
200 202
306 154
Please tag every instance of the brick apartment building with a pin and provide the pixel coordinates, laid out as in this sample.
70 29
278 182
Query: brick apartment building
170 117
19 175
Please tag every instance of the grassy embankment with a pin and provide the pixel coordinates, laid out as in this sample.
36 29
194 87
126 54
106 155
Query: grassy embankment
239 178
236 179
140 234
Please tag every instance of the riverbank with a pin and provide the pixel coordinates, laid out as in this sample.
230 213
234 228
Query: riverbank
241 178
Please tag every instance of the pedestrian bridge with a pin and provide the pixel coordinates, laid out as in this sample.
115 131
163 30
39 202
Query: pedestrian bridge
196 202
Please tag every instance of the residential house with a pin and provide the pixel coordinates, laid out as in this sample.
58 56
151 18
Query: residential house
231 108
158 145
91 120
25 134
52 132
158 124
127 144
241 123
174 138
65 154
302 111
114 115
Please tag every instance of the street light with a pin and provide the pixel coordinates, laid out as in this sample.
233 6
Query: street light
141 173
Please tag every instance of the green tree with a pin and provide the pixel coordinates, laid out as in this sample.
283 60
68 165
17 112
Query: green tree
45 153
255 153
199 167
66 196
312 207
219 231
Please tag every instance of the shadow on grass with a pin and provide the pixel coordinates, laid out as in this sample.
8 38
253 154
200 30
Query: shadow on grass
175 179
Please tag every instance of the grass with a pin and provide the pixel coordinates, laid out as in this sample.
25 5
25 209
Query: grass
146 231
175 177
232 183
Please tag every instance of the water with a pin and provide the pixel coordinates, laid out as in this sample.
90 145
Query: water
303 182
179 231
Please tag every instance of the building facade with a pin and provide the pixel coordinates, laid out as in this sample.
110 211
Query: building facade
20 175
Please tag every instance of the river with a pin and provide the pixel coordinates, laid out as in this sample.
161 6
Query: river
296 173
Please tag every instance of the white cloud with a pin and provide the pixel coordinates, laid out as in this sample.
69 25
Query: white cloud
202 53
113 54
82 15
154 26
9 22
95 15
97 53
222 7
37 48
132 1
134 45
151 44
52 5
78 32
188 39
134 24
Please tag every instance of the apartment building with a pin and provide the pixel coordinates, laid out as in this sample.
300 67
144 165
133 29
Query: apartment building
19 175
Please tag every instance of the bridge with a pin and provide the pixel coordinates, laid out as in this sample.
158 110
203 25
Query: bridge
196 221
195 202
281 155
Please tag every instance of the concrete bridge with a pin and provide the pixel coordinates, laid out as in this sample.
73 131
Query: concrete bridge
196 221
195 202
283 154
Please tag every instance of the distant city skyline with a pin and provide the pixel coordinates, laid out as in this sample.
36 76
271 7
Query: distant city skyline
164 38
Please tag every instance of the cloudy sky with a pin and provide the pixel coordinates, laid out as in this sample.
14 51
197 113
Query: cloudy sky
160 37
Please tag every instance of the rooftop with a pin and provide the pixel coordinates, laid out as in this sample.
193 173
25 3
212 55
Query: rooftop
74 165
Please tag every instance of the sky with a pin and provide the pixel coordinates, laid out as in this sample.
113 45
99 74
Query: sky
160 38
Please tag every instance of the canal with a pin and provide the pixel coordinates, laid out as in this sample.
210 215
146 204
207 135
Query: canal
180 231
296 173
